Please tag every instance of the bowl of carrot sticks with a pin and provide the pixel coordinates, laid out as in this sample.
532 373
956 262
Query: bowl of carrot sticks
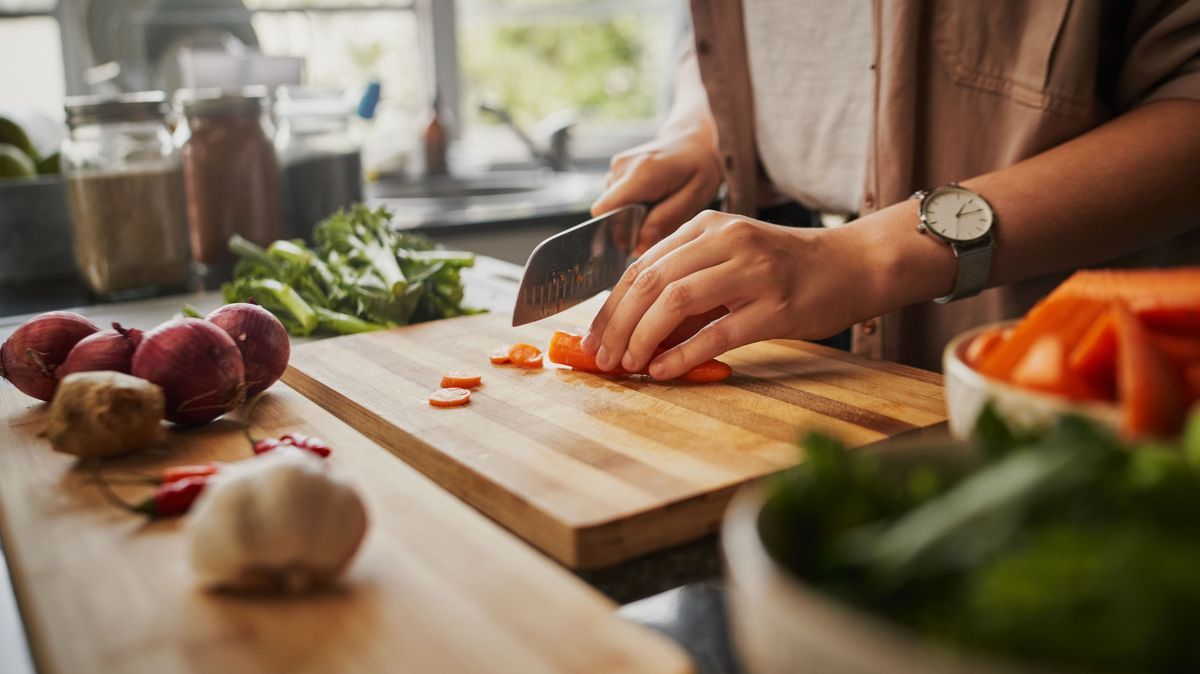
1118 346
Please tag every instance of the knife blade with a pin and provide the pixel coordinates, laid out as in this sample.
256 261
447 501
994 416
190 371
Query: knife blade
575 265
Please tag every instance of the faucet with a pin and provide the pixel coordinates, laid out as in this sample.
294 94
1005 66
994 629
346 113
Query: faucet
556 127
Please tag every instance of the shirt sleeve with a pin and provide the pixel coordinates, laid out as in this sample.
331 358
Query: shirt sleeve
1163 57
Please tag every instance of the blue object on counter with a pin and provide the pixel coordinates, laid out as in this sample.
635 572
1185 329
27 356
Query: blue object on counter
369 100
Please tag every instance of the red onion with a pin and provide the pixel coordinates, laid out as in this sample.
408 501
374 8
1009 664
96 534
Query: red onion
34 351
198 367
260 337
104 350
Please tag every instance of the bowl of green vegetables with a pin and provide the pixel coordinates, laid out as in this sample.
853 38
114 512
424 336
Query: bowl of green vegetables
1060 550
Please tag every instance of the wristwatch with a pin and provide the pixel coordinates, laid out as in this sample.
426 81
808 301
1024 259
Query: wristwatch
963 220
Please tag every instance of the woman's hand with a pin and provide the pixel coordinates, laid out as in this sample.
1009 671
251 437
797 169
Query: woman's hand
680 172
775 282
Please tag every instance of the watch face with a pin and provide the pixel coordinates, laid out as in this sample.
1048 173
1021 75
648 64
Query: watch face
957 214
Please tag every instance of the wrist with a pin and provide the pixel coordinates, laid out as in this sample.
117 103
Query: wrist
903 267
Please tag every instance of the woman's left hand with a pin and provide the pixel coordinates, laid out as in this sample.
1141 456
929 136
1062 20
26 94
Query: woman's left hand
775 282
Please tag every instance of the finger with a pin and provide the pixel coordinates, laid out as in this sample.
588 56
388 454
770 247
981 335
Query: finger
737 328
690 295
646 289
669 214
690 326
643 181
592 340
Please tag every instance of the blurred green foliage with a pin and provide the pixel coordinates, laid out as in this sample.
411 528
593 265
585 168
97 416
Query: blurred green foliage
538 68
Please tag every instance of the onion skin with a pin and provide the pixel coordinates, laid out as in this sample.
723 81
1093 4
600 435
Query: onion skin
198 367
260 337
35 350
107 350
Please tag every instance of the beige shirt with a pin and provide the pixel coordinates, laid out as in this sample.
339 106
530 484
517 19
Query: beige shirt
1033 73
810 66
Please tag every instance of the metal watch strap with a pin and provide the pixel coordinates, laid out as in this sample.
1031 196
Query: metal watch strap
974 267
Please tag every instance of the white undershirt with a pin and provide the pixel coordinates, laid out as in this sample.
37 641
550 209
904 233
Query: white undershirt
810 66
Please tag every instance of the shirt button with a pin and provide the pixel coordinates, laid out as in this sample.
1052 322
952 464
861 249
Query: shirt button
869 326
869 201
728 162
703 47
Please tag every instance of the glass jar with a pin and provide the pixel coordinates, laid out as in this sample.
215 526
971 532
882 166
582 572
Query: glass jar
322 163
230 173
125 191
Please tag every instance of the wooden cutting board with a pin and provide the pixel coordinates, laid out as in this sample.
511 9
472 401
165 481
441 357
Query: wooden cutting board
436 587
594 470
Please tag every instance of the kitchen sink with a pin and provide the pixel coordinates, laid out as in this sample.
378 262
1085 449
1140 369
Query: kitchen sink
488 198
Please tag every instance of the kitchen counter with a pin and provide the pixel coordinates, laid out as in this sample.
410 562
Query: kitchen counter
691 614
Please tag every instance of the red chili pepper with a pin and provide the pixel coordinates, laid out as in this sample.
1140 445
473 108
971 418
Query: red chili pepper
173 498
176 473
315 445
266 444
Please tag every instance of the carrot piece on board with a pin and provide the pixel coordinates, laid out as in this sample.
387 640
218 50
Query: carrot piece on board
1067 318
1148 388
983 344
525 355
461 380
1191 384
707 373
499 355
566 349
1094 358
449 397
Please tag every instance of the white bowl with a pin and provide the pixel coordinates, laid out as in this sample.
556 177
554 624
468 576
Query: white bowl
967 391
782 625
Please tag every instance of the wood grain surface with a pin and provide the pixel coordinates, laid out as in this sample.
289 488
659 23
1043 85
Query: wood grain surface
436 588
596 470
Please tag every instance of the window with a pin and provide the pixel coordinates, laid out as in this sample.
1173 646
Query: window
608 60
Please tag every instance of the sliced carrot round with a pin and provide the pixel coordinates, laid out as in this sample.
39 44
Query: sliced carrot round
708 372
449 397
499 355
525 355
461 380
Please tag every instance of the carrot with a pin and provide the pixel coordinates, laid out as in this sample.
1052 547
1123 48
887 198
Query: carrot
525 355
499 355
707 373
1094 358
449 397
1044 368
1148 388
1180 350
461 380
983 344
566 349
1069 318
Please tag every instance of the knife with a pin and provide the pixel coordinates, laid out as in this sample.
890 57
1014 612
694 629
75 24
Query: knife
577 264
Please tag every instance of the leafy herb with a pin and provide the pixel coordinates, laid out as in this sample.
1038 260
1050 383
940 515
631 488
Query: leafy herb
362 275
1068 547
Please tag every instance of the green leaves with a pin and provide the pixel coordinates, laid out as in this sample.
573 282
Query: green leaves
1067 546
362 275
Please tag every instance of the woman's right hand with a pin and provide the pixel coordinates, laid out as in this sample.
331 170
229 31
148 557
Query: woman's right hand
679 173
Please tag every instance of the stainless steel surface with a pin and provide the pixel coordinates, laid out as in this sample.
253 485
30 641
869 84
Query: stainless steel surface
507 196
132 107
575 265
556 128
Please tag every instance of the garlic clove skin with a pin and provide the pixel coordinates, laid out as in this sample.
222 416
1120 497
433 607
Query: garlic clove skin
278 521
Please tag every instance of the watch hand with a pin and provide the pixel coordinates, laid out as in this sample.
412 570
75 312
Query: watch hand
960 209
977 210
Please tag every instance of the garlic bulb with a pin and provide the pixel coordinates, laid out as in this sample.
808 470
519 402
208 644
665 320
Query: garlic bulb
280 520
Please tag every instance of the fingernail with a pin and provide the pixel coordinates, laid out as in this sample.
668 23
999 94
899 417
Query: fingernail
657 370
590 342
602 359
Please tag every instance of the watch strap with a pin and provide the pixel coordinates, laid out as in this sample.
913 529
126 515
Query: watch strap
974 267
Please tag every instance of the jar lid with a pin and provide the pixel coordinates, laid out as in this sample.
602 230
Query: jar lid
132 107
216 102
